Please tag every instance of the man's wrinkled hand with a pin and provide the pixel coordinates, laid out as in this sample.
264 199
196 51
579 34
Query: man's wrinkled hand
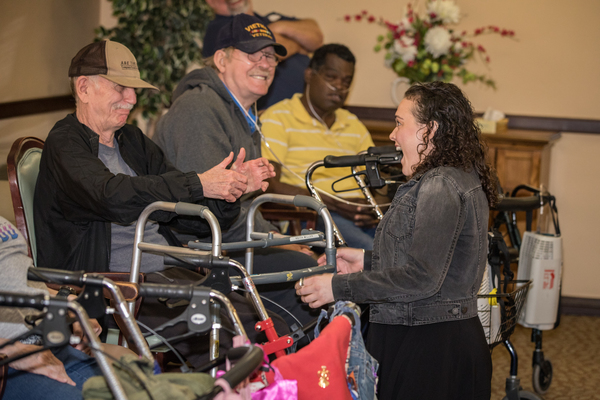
222 183
256 171
42 363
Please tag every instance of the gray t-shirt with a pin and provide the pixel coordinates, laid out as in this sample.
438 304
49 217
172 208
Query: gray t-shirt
122 235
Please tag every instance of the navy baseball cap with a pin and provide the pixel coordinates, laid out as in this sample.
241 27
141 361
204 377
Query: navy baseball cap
248 34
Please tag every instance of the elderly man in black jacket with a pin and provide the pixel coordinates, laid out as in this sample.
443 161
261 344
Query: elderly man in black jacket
98 173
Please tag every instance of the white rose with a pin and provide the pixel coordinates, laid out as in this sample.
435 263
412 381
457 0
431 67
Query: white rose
445 10
405 48
437 41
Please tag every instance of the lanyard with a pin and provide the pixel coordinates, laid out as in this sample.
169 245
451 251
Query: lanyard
249 115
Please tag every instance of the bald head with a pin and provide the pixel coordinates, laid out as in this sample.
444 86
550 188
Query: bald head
231 7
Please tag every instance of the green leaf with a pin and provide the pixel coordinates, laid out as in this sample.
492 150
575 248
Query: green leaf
162 35
399 65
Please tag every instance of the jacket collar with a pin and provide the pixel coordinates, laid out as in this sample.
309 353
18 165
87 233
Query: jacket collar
91 137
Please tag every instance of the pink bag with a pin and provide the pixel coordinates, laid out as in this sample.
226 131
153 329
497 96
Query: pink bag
280 389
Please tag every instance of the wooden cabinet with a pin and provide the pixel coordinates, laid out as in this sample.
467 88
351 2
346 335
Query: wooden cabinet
521 157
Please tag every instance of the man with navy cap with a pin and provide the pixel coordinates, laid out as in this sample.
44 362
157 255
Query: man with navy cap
213 113
299 36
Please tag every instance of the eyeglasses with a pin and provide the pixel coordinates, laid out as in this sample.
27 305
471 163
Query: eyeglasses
272 59
331 79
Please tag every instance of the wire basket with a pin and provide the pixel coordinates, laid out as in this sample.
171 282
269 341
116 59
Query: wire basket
500 317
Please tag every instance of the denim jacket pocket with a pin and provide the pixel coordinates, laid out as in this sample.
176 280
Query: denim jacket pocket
401 222
397 234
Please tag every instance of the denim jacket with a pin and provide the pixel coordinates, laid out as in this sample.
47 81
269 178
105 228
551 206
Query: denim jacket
429 252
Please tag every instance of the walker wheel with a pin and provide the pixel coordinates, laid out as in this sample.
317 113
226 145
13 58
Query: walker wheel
542 376
525 395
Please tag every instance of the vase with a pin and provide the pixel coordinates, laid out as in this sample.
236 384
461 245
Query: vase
399 86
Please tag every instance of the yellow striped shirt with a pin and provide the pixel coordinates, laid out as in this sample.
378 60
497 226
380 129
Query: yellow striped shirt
298 140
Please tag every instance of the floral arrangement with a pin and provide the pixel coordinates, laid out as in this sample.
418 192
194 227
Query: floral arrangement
425 49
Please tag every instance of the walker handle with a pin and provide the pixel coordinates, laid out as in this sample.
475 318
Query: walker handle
37 301
168 291
182 208
75 278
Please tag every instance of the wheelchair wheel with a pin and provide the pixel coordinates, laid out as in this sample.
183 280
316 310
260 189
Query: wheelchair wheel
542 376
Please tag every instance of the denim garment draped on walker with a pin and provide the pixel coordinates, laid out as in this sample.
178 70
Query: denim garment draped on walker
361 365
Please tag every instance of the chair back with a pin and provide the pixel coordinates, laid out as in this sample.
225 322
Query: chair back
23 164
3 376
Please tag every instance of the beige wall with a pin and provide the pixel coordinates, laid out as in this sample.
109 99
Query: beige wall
574 177
37 41
549 71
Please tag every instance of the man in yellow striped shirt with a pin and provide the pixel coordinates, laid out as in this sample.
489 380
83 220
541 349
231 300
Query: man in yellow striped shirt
312 125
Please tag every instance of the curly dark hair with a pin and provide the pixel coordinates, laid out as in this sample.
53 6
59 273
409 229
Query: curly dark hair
457 140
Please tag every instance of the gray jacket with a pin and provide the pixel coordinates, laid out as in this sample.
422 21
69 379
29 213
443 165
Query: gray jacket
429 252
202 127
204 124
